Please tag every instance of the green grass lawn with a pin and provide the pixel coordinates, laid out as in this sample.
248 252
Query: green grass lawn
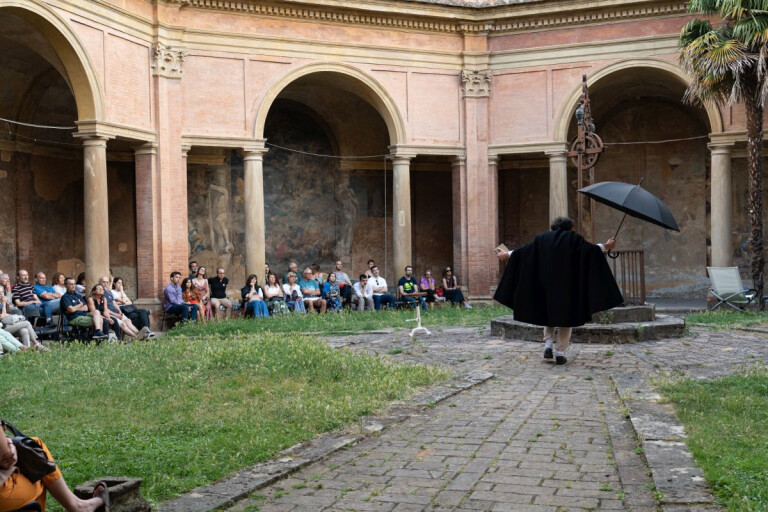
348 322
727 425
724 319
184 411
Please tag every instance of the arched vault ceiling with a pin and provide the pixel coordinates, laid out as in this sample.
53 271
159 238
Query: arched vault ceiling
357 126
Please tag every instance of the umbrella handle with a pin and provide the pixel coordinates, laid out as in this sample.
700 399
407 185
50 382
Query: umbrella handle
612 255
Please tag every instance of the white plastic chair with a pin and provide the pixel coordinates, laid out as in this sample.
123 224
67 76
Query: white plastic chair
728 289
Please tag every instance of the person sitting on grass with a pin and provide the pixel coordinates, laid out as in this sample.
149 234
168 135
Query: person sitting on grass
293 297
332 293
16 490
77 312
253 298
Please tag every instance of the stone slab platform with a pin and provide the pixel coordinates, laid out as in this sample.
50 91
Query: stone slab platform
615 333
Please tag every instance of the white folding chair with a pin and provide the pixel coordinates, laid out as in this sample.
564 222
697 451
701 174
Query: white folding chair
728 289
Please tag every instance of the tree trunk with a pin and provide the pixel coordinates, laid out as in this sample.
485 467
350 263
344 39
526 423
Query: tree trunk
754 112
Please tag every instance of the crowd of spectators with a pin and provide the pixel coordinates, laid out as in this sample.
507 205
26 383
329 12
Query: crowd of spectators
199 298
103 310
27 309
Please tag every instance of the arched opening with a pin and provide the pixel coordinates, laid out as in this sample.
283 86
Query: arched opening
651 135
49 82
327 185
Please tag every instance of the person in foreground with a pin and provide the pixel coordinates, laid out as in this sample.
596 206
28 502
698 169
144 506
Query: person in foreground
16 490
559 280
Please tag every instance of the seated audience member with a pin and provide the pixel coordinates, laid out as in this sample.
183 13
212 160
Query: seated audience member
452 290
193 269
318 276
9 344
98 303
15 325
310 289
16 490
427 284
49 298
274 296
268 271
292 267
5 282
253 298
200 283
123 322
293 296
57 281
409 288
77 312
362 296
371 264
80 286
345 283
381 296
190 296
139 316
24 296
332 293
218 288
174 303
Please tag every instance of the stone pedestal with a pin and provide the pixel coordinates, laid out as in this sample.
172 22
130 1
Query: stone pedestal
616 326
124 493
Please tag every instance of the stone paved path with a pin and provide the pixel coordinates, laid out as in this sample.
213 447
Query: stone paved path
537 437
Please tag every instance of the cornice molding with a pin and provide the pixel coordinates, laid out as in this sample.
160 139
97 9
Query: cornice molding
450 19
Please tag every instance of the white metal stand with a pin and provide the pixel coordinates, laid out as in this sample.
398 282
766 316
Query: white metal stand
418 329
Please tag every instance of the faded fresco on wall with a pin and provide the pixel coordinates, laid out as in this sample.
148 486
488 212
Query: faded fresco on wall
315 211
45 220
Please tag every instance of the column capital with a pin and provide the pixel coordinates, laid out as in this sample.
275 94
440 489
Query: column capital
185 147
476 83
556 153
148 148
721 147
459 160
254 152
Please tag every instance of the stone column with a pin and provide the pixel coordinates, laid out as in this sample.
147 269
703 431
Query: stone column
147 222
460 224
493 211
96 208
721 203
558 184
401 214
255 228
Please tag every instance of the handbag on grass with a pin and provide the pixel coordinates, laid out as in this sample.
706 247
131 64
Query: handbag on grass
32 460
128 310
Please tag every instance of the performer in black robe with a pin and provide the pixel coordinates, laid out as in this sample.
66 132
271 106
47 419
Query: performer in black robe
559 280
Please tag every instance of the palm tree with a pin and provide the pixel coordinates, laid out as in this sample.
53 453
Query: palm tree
728 65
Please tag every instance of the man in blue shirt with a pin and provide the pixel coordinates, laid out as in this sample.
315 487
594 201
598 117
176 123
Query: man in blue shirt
409 288
310 288
49 299
174 303
77 313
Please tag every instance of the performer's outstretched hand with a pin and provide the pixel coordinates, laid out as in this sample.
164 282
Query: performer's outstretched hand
610 244
502 254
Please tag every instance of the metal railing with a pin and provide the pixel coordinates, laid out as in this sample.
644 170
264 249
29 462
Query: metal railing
629 270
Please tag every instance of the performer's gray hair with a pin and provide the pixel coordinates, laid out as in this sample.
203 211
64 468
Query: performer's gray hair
563 223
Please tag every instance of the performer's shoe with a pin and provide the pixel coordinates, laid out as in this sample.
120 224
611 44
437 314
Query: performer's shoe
548 353
560 360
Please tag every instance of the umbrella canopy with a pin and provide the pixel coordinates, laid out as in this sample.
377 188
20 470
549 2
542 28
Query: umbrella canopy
633 200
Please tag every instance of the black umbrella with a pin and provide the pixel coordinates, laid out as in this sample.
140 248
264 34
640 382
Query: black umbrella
633 200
